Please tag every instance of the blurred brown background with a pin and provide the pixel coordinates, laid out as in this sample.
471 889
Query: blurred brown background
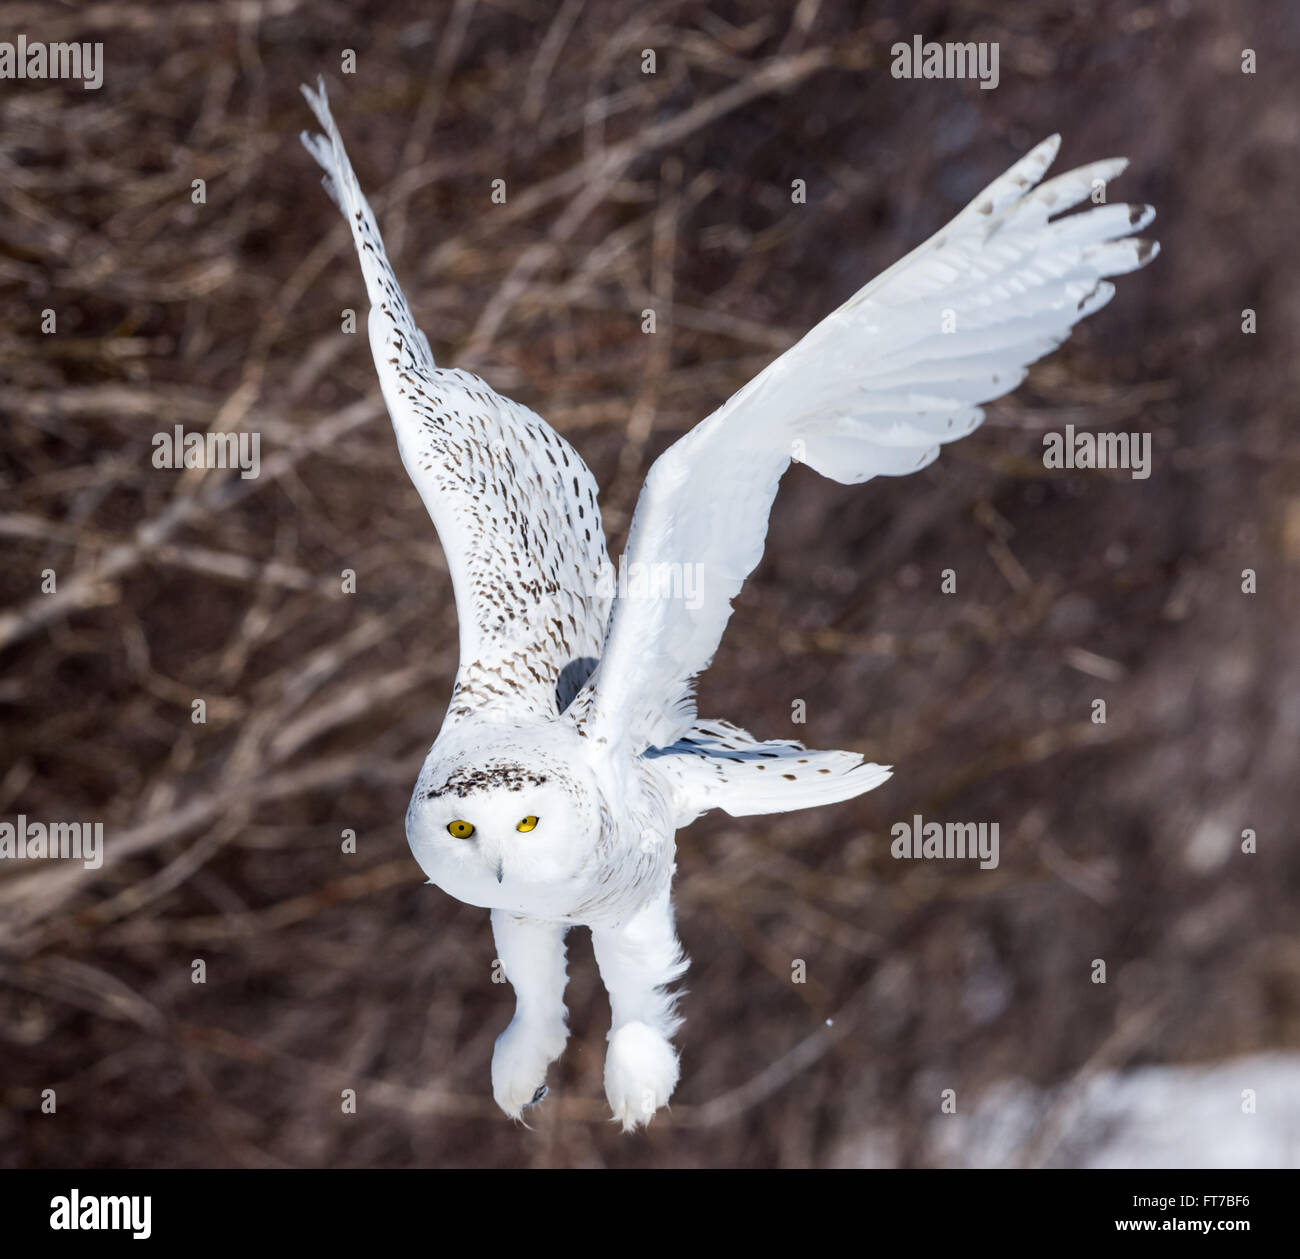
328 971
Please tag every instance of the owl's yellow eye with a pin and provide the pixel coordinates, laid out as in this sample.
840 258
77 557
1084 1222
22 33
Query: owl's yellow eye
462 830
527 824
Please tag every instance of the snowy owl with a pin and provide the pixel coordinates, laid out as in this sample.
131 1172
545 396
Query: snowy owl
571 752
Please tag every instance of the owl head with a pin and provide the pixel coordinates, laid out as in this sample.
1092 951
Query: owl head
504 816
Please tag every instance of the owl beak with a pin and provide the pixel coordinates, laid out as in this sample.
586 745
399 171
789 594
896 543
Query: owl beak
501 870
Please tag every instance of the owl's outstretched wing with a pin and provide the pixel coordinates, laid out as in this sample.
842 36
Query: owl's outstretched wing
513 503
873 390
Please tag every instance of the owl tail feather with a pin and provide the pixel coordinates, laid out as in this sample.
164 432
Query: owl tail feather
716 765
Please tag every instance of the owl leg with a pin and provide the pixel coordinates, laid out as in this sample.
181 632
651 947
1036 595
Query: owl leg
638 961
531 952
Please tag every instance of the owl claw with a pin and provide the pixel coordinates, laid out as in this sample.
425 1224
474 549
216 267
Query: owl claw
640 1074
519 1062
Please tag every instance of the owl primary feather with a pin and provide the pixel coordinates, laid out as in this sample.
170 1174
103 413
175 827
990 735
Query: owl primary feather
571 752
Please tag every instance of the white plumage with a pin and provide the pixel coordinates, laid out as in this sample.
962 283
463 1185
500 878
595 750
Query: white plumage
571 751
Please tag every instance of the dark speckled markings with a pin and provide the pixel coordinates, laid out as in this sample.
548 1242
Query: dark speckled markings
513 502
465 782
